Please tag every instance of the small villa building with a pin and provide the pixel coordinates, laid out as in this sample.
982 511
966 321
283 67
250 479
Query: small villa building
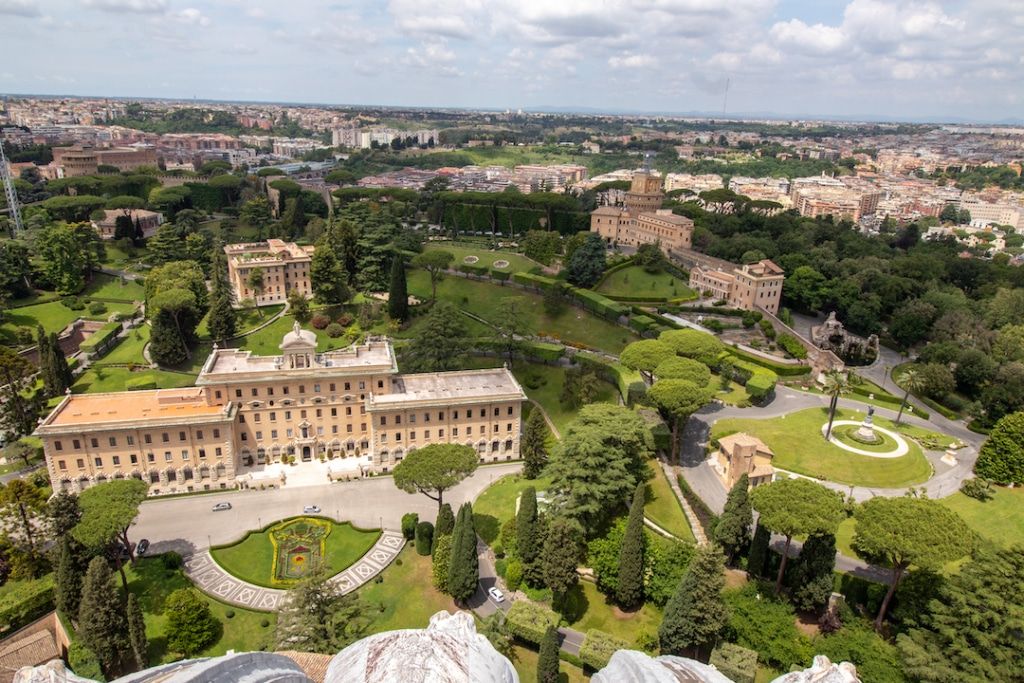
740 454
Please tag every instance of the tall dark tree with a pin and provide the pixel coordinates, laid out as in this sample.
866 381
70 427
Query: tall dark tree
696 614
45 361
812 573
464 568
398 292
222 318
68 581
586 264
561 556
630 590
191 626
442 342
327 276
137 631
732 531
318 617
533 446
528 538
64 513
62 375
548 661
444 525
101 623
757 558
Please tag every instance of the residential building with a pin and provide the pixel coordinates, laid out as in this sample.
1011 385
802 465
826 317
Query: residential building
148 221
694 183
740 454
284 265
642 221
750 287
247 412
986 213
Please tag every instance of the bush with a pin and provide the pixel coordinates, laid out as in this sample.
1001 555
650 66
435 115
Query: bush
424 537
334 330
735 662
84 662
320 321
767 329
792 346
171 560
979 489
409 522
230 614
24 601
74 303
763 623
97 308
513 574
598 647
191 626
344 320
529 621
761 384
264 623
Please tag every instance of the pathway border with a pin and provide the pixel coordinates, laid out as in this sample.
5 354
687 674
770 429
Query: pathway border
215 581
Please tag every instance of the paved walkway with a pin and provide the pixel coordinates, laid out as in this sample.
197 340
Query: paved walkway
213 580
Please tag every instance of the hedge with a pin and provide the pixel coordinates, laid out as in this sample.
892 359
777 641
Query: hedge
735 662
602 305
708 519
598 647
99 342
473 268
140 383
631 386
641 323
761 384
25 601
502 275
530 621
791 345
535 281
779 368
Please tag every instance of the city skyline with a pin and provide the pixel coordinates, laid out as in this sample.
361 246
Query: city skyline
865 59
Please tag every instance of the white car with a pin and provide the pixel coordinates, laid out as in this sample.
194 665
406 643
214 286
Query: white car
496 594
311 509
221 506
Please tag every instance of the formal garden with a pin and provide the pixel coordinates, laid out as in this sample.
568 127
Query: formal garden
283 553
636 282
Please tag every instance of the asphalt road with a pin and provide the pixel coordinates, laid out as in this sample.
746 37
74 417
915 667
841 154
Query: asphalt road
187 523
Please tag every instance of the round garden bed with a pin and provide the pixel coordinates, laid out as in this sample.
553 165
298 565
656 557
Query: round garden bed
280 555
501 264
888 444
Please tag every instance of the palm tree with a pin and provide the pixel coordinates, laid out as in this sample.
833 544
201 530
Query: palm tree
255 282
836 384
911 381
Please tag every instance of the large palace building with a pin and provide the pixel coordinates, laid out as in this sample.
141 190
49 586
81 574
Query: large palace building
248 412
643 221
284 266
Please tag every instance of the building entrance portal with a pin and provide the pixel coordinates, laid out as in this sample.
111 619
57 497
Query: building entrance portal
307 454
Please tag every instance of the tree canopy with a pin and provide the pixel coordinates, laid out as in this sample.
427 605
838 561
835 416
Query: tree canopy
1001 458
435 468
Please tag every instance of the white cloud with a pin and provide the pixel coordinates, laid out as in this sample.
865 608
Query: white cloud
21 8
192 16
631 61
140 6
818 38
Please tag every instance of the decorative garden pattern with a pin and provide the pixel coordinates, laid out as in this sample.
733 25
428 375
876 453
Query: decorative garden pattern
298 545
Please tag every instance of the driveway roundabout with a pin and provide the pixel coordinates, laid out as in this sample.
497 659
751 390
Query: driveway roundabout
899 448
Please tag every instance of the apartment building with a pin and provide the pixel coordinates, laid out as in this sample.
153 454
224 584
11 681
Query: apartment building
749 287
247 411
284 266
642 221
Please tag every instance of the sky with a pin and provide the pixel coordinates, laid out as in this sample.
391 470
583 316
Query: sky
941 60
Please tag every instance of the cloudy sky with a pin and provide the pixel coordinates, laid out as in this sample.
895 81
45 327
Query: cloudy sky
919 59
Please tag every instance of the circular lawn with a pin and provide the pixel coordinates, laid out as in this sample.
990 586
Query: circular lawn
281 554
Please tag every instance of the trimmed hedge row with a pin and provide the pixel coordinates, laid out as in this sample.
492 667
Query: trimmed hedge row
778 368
530 621
99 342
535 281
630 388
597 303
598 647
24 603
544 352
708 519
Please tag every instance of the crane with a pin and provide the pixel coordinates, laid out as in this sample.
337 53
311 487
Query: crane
10 192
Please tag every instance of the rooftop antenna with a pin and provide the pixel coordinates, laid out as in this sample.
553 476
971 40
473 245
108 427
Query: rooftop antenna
12 194
725 97
647 161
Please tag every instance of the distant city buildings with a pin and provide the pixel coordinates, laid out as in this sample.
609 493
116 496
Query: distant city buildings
283 265
363 138
79 160
642 221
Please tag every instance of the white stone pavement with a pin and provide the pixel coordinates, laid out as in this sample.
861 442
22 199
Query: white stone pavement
213 580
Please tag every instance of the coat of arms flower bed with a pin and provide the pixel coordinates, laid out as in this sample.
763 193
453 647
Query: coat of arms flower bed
298 546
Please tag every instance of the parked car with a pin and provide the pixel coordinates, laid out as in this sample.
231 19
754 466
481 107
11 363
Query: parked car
122 552
142 547
221 506
496 594
311 509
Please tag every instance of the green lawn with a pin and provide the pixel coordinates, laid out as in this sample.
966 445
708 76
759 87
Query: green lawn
663 507
109 287
1000 520
482 298
252 558
799 446
588 608
525 662
267 342
405 596
152 583
248 319
53 316
486 257
549 380
497 503
105 379
474 328
129 350
734 395
635 281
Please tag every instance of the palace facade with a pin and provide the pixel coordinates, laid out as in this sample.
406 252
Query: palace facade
247 412
284 266
643 221
747 287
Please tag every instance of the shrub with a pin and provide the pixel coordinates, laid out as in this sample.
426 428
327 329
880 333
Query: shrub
25 601
792 346
191 627
529 621
97 308
737 663
979 489
598 647
230 614
334 330
84 662
344 320
424 537
409 522
513 574
171 560
264 623
74 303
320 321
715 325
767 329
763 623
761 384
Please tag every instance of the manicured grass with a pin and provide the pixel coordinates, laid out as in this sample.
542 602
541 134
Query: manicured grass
799 446
497 503
663 507
474 328
267 342
248 319
252 558
129 349
105 379
550 379
482 298
846 434
525 662
635 281
152 583
109 287
588 608
1000 520
734 395
53 316
844 537
486 257
405 597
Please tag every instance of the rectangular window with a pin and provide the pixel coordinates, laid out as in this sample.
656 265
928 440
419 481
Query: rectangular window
259 435
380 384
273 416
94 442
285 390
455 415
245 437
398 419
81 463
167 456
98 461
331 387
383 420
469 430
76 444
334 412
256 417
348 386
362 386
216 395
455 431
57 445
426 433
181 436
134 459
184 455
302 414
509 429
440 416
440 433
112 441
199 434
412 418
216 433
62 465
362 426
165 437
302 388
412 435
334 429
148 438
316 388
217 451
287 414
150 457
319 412
116 459
255 391
496 412
270 391
383 438
241 418
273 433
319 431
348 429
398 436
202 453
238 393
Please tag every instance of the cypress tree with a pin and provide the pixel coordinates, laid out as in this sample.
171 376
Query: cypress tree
547 662
444 525
62 375
223 319
733 529
630 590
560 556
464 570
528 542
533 447
696 614
137 631
101 622
424 537
45 361
812 576
398 292
441 562
68 584
758 556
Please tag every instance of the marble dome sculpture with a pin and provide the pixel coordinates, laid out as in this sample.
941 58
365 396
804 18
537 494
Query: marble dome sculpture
631 666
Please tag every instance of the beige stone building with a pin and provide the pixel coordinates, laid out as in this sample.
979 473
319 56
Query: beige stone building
149 221
247 412
749 287
78 160
285 266
740 454
642 221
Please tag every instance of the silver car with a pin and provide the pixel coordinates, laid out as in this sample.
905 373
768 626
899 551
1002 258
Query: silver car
311 509
221 506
